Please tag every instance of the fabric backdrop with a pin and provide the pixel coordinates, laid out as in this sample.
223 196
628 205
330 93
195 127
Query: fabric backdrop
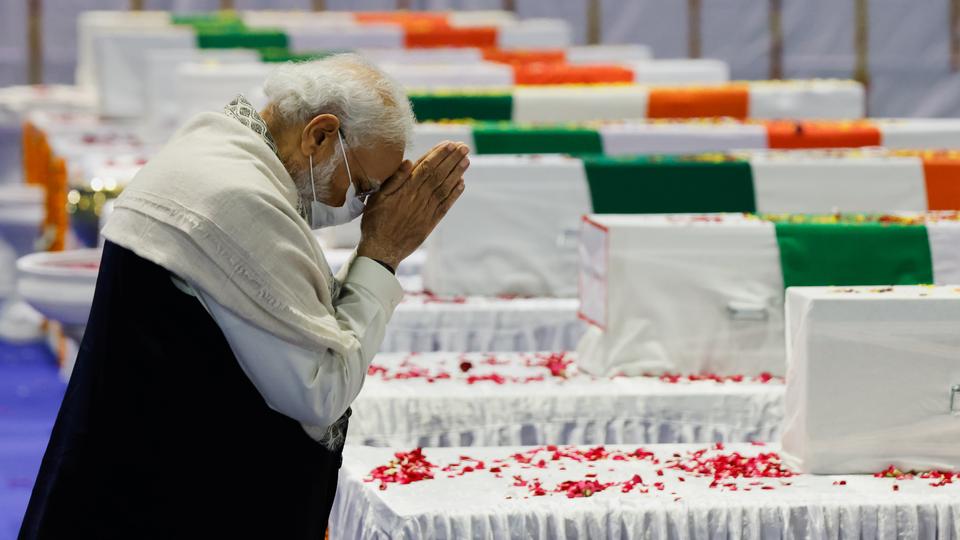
908 42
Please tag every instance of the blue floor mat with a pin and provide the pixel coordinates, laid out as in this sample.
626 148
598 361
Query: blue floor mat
30 395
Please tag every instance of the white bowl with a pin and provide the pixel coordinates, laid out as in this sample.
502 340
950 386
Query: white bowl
21 228
60 285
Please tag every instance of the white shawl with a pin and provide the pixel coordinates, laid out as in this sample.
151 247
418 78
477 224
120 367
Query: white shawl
217 208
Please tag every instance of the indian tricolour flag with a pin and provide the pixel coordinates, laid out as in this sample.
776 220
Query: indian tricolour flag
705 293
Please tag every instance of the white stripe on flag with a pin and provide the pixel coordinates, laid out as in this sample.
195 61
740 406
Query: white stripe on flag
323 37
683 71
535 33
945 251
920 133
684 138
807 99
579 103
428 134
608 54
815 183
514 230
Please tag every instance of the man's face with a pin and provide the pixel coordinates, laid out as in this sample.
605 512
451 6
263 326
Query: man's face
370 166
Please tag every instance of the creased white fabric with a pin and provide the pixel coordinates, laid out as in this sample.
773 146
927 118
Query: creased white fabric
322 36
686 295
819 182
190 210
579 103
870 378
121 69
807 99
534 33
475 505
608 54
944 238
204 87
315 388
917 133
426 135
684 71
679 138
578 409
483 324
439 76
529 208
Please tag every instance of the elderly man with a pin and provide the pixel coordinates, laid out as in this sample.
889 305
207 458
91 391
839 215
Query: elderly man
210 395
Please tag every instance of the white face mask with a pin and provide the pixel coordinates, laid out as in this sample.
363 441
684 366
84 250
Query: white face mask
322 215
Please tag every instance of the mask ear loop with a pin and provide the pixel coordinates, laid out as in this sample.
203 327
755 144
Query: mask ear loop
313 185
346 162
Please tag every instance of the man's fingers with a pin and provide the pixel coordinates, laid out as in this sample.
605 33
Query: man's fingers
446 187
437 164
448 203
437 147
428 163
397 179
453 162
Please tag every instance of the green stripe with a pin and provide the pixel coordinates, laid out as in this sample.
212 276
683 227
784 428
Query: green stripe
273 55
508 138
249 38
207 18
847 254
462 106
655 185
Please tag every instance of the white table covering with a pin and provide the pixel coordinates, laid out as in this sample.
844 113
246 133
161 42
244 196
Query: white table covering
511 399
478 504
423 323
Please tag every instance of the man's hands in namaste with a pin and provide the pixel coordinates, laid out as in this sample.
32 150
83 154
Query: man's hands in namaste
400 216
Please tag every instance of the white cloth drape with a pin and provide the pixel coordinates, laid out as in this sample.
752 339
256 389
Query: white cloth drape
578 409
476 505
483 324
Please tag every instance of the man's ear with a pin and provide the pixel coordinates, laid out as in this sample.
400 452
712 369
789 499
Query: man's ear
319 132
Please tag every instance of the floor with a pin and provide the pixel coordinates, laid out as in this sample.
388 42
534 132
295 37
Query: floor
30 394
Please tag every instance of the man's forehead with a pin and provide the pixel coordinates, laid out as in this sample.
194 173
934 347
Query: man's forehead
380 160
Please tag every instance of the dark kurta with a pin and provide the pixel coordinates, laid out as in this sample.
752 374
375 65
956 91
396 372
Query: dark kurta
161 435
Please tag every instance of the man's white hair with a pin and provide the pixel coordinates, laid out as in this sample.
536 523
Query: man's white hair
371 105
